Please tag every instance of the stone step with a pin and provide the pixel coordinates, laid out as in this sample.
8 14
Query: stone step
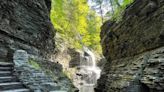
8 79
17 90
58 91
5 73
6 64
49 83
6 68
10 85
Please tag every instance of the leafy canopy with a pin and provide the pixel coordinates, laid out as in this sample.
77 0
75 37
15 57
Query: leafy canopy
76 23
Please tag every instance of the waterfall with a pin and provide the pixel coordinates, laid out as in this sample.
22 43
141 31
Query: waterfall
88 71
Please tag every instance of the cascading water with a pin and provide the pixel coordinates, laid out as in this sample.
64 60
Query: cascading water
88 71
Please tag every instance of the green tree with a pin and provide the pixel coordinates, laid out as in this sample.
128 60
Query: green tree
116 11
76 23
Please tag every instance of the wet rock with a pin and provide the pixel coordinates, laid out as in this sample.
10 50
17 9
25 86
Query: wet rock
36 79
134 50
75 57
20 58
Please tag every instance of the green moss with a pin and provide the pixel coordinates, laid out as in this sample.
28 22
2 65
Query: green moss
69 73
34 64
119 11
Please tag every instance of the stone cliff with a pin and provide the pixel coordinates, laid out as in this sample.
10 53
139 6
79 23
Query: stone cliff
26 30
26 25
134 49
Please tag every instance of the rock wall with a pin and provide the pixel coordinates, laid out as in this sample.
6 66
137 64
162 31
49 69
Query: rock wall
40 76
134 49
26 25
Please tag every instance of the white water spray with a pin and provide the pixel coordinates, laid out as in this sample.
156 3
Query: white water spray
89 71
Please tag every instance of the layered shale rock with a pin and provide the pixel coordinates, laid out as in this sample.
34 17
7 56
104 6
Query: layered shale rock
26 25
34 76
134 49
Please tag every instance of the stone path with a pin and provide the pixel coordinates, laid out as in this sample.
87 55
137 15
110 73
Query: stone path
8 82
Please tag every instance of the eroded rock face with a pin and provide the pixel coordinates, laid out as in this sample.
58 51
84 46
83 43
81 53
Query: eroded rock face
134 50
26 25
136 33
30 76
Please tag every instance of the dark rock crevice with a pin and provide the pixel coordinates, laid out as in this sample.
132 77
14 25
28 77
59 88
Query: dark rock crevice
13 37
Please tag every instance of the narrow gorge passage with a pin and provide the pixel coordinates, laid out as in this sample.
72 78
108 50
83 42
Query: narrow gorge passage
81 45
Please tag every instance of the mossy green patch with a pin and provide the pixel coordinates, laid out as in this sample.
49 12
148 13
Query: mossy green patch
34 64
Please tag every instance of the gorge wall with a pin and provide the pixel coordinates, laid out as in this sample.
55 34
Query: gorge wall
134 49
26 25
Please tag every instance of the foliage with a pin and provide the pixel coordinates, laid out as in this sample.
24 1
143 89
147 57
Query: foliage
119 9
76 23
34 64
79 25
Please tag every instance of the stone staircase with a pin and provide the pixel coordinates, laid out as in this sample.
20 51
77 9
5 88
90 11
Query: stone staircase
8 82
